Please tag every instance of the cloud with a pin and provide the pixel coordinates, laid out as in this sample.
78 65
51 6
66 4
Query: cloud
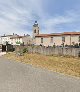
18 16
69 19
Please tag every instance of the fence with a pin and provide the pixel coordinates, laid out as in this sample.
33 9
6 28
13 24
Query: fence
51 51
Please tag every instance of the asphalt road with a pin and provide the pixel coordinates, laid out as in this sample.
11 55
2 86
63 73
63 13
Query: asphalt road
18 77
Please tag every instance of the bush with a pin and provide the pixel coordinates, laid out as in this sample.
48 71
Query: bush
25 50
76 45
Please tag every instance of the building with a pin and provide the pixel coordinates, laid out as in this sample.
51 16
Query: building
6 38
35 31
26 39
16 39
58 39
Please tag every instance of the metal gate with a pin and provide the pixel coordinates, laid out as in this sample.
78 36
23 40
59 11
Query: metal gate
9 48
3 48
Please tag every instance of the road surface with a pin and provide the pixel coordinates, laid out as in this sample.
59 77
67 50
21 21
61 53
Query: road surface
2 53
19 77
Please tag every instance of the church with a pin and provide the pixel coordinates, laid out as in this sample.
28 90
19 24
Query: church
57 39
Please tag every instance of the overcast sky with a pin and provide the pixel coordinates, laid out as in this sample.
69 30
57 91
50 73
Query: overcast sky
18 16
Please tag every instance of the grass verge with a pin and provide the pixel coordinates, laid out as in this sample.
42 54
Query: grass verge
65 65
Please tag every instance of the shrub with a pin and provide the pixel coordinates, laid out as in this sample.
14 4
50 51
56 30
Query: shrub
25 50
18 42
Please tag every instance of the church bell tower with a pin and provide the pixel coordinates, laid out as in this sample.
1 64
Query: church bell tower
35 29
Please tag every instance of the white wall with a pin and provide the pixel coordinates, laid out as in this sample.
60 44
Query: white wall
4 39
14 40
58 40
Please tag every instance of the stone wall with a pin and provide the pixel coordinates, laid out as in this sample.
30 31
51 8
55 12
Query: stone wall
51 51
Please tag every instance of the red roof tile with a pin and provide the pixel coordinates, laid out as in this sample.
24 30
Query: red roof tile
58 34
48 35
16 37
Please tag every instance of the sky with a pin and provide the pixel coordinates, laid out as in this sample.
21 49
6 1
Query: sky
53 16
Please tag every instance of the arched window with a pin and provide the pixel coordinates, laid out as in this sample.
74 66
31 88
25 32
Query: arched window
35 31
38 31
63 39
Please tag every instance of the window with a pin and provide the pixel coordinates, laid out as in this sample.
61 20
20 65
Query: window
79 38
41 40
63 39
35 31
51 40
38 31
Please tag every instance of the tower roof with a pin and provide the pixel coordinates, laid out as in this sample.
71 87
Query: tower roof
35 21
35 24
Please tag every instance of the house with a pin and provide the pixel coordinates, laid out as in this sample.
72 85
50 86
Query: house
58 39
26 39
15 39
6 38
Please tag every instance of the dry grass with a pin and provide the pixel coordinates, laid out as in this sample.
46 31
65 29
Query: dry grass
66 65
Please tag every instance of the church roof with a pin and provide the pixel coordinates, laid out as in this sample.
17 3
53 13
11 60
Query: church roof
48 35
58 34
